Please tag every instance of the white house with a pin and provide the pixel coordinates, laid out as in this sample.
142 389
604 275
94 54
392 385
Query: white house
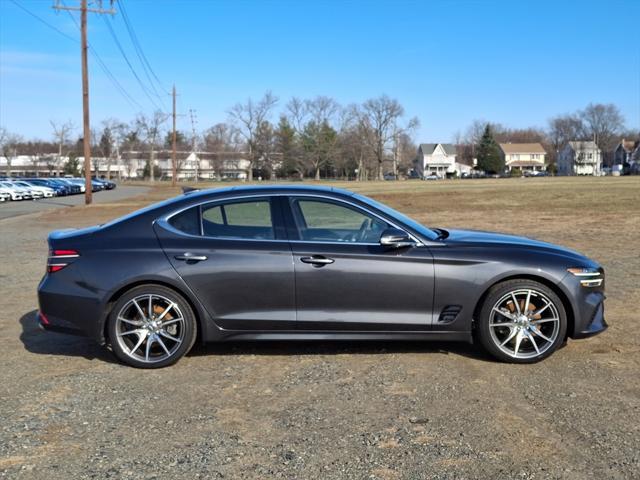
580 158
438 159
525 156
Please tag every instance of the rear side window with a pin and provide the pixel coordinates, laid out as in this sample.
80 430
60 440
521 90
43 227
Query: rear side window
187 221
243 219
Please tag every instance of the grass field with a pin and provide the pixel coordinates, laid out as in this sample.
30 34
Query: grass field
334 411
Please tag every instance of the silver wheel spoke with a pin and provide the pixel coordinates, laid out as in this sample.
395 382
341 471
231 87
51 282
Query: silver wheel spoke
517 305
538 312
136 323
173 320
166 310
503 313
542 335
137 331
164 347
140 341
526 303
169 336
519 337
144 317
150 340
533 341
509 337
505 324
544 320
150 307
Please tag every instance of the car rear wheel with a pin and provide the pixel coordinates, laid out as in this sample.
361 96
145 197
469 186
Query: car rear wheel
151 326
521 321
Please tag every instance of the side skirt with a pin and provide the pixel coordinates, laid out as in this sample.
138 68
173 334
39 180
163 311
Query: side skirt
352 336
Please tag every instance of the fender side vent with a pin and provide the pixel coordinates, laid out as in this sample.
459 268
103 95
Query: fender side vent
449 313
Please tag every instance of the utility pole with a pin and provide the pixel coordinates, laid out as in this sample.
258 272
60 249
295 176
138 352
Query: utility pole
192 114
173 140
86 140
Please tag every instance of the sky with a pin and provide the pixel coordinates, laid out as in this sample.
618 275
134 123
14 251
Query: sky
514 62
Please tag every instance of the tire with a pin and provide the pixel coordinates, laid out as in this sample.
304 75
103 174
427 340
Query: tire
515 334
151 341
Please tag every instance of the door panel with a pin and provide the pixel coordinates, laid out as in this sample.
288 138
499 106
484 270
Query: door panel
355 284
245 284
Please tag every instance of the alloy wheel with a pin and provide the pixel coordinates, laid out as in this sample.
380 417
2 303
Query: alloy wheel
150 328
524 323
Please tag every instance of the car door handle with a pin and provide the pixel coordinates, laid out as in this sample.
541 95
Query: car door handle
317 260
191 257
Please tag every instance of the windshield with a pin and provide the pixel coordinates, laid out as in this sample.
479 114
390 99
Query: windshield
408 221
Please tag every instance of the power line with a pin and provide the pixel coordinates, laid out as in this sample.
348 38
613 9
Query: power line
126 59
132 101
24 9
136 44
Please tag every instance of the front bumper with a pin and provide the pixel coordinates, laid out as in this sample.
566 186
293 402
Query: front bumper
592 319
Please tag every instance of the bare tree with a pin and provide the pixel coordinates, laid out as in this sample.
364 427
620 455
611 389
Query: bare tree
603 123
61 134
150 127
9 143
248 117
382 116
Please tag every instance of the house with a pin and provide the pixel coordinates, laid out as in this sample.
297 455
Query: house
580 158
525 156
627 153
438 159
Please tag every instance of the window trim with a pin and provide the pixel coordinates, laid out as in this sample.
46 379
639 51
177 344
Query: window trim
164 220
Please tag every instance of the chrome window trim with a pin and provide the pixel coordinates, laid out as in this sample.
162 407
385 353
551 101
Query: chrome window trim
165 219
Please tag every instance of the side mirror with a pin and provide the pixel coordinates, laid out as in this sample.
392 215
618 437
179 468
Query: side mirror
396 238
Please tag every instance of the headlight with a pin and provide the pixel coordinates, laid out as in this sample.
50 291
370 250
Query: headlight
589 276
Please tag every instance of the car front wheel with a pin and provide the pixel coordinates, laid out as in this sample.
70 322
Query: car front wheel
151 326
521 321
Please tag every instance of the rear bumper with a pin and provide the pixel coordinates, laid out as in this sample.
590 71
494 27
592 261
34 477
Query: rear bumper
67 307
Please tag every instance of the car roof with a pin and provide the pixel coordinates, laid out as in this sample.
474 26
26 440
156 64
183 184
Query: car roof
269 189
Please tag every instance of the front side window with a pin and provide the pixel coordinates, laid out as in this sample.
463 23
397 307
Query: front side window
249 219
326 221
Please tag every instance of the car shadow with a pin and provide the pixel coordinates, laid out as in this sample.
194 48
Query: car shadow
340 347
38 341
43 342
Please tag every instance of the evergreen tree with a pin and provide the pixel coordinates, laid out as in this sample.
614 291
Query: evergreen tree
489 158
286 146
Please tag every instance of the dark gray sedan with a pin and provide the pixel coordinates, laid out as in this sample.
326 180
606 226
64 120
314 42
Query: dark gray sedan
306 263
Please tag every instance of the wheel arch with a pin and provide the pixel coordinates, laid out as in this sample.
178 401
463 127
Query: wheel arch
200 335
566 303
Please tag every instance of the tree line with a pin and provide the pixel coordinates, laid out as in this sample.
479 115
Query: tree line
315 138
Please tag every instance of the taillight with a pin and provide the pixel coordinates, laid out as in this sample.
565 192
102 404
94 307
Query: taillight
58 259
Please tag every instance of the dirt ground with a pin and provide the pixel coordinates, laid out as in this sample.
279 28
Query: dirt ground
338 410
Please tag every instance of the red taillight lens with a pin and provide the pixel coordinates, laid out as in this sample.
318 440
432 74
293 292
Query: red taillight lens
58 259
65 253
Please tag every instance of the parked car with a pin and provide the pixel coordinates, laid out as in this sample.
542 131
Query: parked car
60 189
74 188
108 184
389 176
310 263
80 182
4 196
21 193
13 193
46 191
432 177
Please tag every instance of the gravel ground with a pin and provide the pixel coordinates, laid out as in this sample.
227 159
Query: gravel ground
328 410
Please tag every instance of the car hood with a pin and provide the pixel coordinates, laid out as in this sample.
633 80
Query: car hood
480 238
